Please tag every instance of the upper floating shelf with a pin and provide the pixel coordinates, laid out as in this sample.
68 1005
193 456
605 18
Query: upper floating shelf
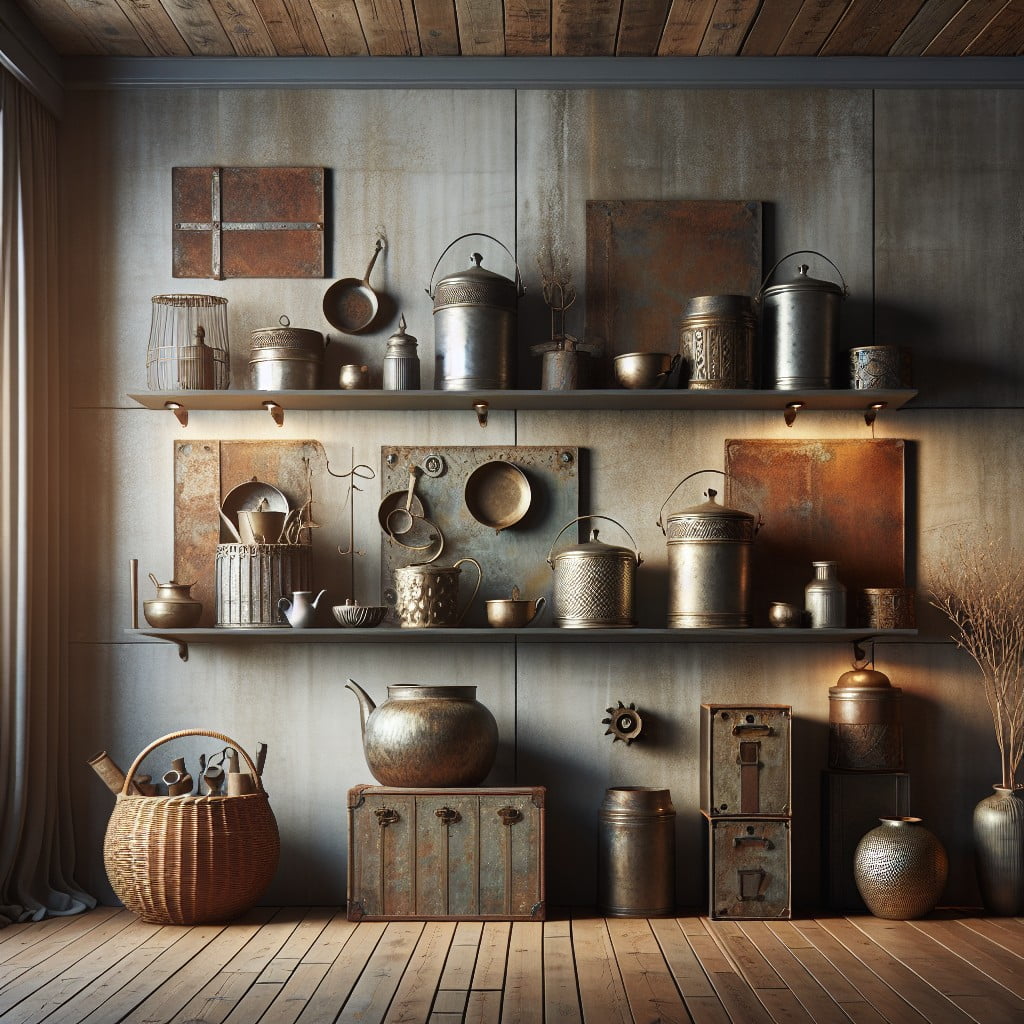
481 402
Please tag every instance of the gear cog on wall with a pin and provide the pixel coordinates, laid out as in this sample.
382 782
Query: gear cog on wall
624 723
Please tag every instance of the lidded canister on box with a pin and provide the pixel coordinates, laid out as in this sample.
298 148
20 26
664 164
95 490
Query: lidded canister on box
475 318
801 327
716 338
709 552
401 361
285 358
595 583
865 723
636 853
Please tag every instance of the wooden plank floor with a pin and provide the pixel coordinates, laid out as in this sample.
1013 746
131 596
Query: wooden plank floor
311 965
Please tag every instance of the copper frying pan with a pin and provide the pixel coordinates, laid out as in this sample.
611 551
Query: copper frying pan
351 304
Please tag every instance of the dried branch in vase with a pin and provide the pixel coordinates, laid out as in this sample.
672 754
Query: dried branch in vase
556 287
981 592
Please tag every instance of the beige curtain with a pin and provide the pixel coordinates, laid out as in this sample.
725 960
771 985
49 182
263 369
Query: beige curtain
36 852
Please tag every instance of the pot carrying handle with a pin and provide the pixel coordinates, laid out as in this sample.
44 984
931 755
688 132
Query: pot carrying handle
257 779
760 518
476 589
636 551
520 290
797 252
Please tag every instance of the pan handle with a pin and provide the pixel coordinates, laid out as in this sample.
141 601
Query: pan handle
373 259
520 289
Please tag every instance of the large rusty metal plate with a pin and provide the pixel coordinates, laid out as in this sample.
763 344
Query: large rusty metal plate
515 556
645 259
204 472
839 501
248 221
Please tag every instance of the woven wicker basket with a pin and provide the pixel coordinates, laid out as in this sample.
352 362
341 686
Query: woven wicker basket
190 859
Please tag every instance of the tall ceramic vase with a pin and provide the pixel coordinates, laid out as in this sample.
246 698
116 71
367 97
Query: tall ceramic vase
999 851
900 869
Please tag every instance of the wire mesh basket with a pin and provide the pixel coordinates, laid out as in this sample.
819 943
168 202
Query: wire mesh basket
188 344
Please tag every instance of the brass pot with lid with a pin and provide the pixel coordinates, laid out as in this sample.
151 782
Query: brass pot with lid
865 723
709 552
595 582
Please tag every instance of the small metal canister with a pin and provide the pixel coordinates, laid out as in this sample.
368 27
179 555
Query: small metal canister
285 358
251 579
594 582
882 367
475 320
401 363
636 853
195 364
709 551
865 724
886 608
801 327
716 338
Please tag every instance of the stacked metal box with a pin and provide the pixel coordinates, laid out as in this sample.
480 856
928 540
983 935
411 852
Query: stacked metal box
746 800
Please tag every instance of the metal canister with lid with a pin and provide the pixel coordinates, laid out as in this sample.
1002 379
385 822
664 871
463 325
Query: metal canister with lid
709 552
595 583
865 724
285 358
801 327
716 338
401 362
475 319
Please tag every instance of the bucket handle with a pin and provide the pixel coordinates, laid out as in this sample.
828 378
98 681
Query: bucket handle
520 290
797 252
760 518
476 589
190 732
636 551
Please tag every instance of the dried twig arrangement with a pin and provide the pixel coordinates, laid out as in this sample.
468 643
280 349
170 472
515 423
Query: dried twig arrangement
556 287
982 594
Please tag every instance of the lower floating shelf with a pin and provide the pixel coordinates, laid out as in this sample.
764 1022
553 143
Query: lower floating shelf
531 635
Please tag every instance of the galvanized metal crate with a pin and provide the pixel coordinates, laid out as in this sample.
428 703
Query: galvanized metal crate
446 854
749 869
745 756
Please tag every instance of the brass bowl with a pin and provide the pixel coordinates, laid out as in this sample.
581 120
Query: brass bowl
512 613
641 369
172 614
359 616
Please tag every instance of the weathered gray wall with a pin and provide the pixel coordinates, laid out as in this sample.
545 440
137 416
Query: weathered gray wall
915 195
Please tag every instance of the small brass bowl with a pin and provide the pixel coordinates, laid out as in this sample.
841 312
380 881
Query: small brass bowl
641 369
359 616
172 614
513 613
783 615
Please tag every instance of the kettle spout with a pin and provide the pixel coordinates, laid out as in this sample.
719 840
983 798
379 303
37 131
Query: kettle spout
318 596
366 705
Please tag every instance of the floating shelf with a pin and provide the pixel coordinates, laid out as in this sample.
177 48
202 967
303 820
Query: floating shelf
530 635
481 402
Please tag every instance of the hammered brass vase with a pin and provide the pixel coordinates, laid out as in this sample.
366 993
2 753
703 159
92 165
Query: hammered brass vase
999 851
900 869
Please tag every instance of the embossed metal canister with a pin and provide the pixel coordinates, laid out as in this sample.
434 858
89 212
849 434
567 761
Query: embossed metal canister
709 551
636 853
594 582
865 723
475 317
879 366
285 358
252 578
716 338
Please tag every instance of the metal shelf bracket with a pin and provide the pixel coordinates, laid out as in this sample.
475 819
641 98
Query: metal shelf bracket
276 412
792 408
180 412
872 411
481 409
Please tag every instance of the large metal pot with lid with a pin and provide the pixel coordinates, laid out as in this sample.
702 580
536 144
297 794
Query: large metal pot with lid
709 550
595 582
800 317
285 358
475 316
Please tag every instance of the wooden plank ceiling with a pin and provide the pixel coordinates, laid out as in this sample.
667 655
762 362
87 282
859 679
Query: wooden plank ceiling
344 28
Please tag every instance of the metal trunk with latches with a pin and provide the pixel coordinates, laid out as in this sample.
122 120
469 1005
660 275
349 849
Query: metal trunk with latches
745 760
749 868
446 854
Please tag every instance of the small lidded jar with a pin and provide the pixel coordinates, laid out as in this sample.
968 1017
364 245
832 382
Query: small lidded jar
401 362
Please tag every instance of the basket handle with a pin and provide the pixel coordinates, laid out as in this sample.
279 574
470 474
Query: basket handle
190 732
798 252
478 234
579 519
697 472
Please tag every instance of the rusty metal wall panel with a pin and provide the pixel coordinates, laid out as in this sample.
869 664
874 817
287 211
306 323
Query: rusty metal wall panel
645 259
746 755
822 500
749 869
248 221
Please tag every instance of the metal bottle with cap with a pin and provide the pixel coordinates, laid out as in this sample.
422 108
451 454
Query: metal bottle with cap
801 327
709 552
401 363
865 725
475 320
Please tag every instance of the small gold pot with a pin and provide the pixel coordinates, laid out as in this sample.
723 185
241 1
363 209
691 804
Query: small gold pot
513 613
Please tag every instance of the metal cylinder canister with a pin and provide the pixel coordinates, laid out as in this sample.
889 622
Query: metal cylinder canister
801 327
884 367
285 358
865 724
709 554
252 578
636 853
595 582
401 362
475 321
716 338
